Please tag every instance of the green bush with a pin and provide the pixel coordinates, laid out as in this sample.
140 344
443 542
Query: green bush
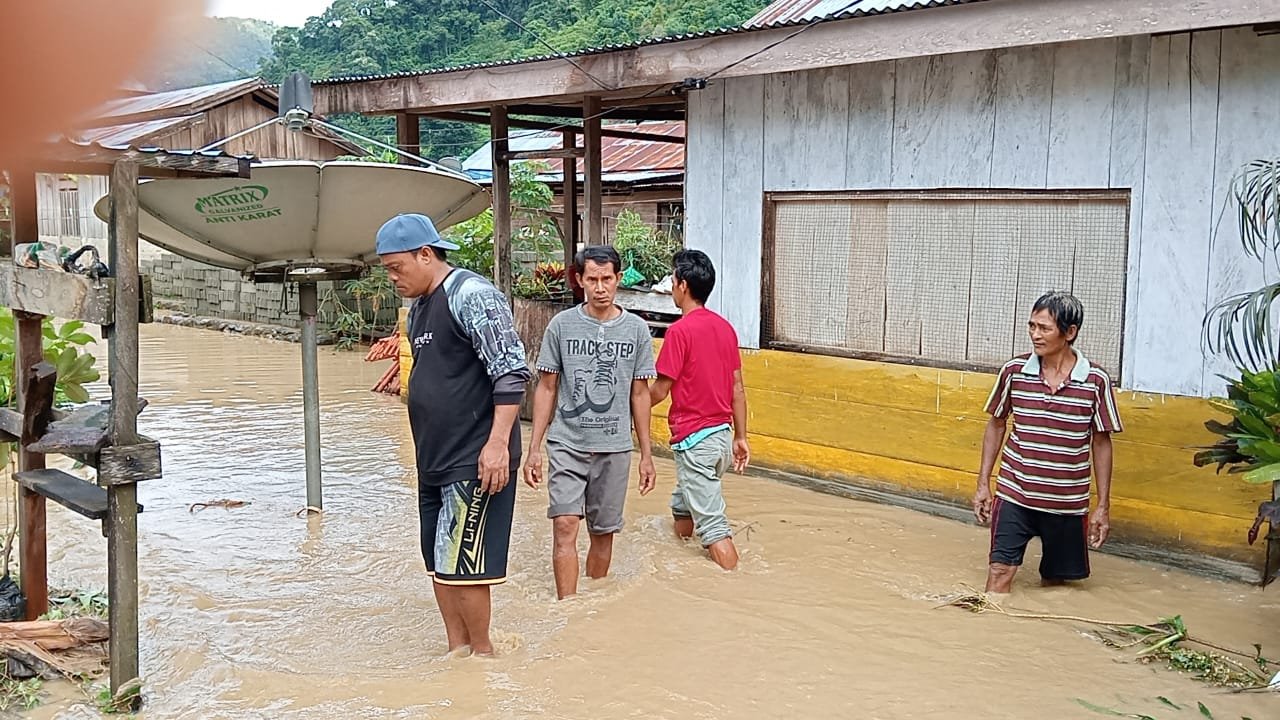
1250 444
643 248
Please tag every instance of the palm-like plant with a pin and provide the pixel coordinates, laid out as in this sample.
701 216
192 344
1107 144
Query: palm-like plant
1241 325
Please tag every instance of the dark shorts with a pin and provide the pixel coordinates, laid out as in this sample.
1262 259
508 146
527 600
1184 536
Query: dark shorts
1063 540
465 533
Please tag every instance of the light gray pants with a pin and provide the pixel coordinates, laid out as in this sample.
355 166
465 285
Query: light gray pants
588 484
698 492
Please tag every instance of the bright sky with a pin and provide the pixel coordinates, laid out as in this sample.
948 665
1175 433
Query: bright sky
281 12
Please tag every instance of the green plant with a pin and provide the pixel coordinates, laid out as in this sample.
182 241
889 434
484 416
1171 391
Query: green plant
61 348
126 699
22 694
535 231
548 281
371 292
643 248
1241 325
1250 443
77 603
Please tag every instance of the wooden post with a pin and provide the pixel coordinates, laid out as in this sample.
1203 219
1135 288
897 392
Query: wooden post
122 500
30 352
571 227
594 230
498 128
408 136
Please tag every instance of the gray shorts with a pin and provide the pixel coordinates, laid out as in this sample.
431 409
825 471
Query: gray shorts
587 484
698 493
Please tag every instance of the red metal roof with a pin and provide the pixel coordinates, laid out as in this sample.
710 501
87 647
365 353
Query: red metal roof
617 155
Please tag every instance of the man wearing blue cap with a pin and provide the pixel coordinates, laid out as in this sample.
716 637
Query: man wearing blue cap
469 375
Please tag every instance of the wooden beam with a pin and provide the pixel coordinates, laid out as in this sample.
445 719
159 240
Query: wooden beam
594 169
24 209
126 464
619 112
917 33
408 136
570 152
499 129
572 228
539 125
31 505
37 411
151 164
122 500
56 293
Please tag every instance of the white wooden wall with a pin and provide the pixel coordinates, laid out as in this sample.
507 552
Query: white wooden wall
1170 118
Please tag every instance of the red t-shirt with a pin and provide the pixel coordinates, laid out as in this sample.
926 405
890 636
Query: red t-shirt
700 354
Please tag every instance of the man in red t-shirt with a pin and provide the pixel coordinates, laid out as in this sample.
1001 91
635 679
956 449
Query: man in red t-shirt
700 368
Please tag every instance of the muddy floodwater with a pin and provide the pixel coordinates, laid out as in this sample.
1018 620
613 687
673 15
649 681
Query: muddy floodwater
256 613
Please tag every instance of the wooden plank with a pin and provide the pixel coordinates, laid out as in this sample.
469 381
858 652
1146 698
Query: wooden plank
122 349
739 270
593 197
120 465
1248 93
944 121
146 300
31 507
24 208
68 491
704 175
819 141
869 150
57 294
1128 161
156 164
37 403
962 28
868 254
1080 123
782 122
569 152
1024 84
572 225
1177 213
498 131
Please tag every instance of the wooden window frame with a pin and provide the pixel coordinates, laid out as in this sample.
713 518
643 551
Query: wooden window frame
769 245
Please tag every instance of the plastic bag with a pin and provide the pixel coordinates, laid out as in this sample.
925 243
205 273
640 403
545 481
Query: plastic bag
631 277
13 606
39 255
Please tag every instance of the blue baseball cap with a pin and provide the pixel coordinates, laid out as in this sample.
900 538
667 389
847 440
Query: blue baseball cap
409 232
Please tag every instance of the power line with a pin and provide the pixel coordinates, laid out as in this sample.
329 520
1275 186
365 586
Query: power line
224 61
808 26
549 46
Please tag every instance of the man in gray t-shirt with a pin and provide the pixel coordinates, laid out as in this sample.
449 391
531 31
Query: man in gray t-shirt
595 366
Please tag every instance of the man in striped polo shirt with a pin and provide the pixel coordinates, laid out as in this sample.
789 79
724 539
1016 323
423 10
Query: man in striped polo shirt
1064 412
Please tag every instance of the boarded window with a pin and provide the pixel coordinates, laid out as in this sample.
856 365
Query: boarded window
942 278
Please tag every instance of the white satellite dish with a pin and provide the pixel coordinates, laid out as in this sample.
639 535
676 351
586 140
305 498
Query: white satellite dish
297 220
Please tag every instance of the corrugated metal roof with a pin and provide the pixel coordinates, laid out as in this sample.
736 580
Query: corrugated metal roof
868 7
621 159
130 133
795 12
187 101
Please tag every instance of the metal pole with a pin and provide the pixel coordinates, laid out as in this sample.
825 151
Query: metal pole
307 308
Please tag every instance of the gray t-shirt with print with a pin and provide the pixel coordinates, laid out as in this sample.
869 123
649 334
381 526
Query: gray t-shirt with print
597 362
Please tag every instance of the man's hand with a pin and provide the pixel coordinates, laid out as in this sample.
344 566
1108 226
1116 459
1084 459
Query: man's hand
741 455
1099 527
648 476
533 469
982 503
495 470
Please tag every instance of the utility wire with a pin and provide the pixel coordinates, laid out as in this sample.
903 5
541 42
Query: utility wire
808 26
549 46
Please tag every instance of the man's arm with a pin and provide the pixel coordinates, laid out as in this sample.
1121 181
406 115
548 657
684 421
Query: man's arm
660 389
485 316
641 418
741 450
1100 522
544 404
992 439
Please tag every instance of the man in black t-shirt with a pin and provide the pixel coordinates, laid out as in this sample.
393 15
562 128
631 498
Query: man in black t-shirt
469 375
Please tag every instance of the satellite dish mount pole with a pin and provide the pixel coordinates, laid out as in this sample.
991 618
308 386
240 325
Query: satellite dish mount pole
308 306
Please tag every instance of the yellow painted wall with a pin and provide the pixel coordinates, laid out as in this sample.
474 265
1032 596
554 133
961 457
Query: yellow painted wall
919 431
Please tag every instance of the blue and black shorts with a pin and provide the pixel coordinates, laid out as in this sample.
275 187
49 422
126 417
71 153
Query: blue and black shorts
465 533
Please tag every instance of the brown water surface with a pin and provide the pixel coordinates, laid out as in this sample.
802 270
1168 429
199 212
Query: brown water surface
255 613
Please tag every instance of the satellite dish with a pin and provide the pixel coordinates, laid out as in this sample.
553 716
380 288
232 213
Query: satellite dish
297 220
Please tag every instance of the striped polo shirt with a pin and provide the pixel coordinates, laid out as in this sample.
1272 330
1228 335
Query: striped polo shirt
1045 462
